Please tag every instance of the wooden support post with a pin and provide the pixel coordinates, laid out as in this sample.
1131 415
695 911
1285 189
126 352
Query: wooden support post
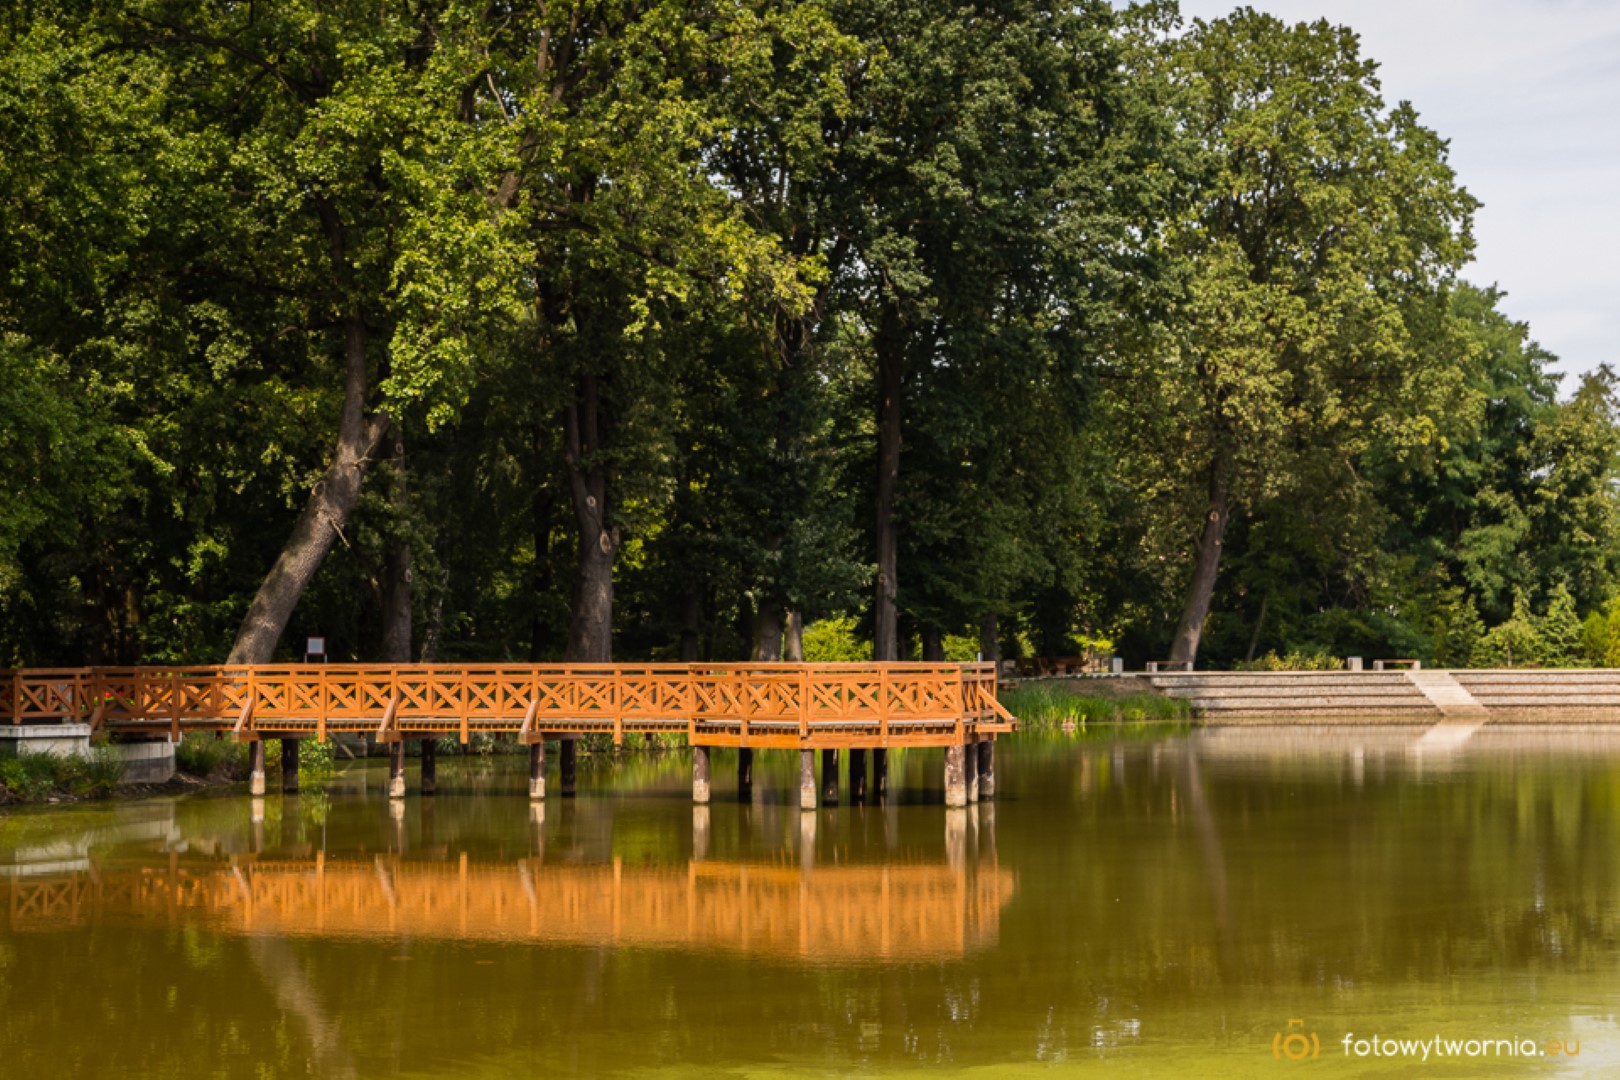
289 766
857 774
396 769
567 768
987 770
430 765
537 771
745 771
970 770
880 774
807 779
700 775
256 767
829 778
955 778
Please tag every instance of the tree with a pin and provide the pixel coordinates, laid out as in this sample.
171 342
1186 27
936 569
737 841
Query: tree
1320 227
979 191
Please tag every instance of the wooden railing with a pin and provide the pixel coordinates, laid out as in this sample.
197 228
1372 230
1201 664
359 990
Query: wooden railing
756 705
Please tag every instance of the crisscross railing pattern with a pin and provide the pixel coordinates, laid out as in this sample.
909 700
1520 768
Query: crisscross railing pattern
756 705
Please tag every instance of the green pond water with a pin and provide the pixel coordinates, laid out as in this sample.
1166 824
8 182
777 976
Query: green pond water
1165 904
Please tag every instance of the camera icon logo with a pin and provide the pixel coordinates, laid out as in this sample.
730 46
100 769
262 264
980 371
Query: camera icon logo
1294 1043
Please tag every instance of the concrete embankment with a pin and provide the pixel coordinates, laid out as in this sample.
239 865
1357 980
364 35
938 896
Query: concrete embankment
1397 697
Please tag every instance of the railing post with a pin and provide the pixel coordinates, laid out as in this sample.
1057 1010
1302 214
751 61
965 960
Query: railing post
463 679
883 705
175 682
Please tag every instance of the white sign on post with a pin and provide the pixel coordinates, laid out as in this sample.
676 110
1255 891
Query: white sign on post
313 647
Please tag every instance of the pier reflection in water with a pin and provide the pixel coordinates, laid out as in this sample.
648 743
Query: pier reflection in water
1165 903
786 911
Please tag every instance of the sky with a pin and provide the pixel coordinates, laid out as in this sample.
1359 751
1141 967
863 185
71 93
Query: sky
1528 92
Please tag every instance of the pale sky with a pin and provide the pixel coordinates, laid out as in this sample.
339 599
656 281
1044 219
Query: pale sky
1528 92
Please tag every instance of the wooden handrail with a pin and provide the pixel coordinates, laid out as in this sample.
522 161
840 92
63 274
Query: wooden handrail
742 704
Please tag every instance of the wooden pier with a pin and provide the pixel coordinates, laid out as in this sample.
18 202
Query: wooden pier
803 707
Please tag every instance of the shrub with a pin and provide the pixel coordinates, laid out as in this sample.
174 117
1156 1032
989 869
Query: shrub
1294 660
34 777
833 641
103 770
204 756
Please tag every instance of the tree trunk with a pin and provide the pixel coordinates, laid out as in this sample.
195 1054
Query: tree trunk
793 641
1259 624
435 620
691 619
398 572
1206 565
890 345
590 629
335 494
933 646
542 513
989 637
768 634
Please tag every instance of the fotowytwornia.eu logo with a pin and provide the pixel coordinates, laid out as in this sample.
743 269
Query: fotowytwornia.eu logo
1294 1043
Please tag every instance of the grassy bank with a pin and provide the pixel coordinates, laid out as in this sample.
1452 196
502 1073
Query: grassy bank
1053 704
47 778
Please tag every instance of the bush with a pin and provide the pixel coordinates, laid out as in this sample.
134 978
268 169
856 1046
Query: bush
29 777
834 641
1294 660
205 757
103 771
1515 643
35 777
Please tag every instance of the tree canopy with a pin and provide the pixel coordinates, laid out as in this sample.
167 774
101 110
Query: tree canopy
667 329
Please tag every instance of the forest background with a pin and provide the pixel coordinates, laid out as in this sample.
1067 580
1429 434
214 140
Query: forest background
750 329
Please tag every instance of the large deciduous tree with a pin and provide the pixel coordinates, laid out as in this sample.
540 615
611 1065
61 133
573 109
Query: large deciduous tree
1320 227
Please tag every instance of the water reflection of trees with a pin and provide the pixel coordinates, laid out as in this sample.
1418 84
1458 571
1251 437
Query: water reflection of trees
1189 867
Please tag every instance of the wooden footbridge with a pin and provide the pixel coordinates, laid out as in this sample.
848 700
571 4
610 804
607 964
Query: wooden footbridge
804 707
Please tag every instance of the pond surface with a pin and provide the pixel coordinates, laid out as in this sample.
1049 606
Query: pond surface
1160 904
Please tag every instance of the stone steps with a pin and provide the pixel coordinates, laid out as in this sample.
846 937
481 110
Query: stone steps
1420 696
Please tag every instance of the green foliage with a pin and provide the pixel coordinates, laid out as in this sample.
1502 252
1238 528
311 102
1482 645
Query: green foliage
639 269
1041 704
835 641
1561 631
1516 642
206 757
316 760
1600 636
37 777
1292 661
